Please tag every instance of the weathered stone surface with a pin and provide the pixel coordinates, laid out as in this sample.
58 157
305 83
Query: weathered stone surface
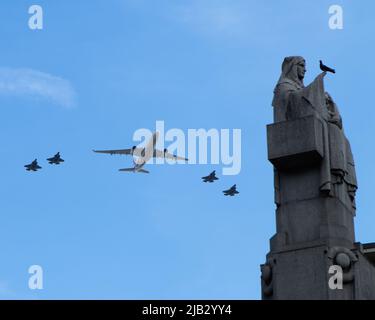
314 219
300 274
303 274
369 252
295 144
315 185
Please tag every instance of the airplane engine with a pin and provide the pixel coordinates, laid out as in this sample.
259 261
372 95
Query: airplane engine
133 148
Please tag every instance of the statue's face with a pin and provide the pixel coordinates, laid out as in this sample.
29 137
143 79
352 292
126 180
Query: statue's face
301 69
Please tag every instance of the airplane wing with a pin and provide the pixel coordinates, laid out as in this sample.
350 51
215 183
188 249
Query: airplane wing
120 151
127 169
167 155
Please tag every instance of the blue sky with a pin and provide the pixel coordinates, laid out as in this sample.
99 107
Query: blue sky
108 68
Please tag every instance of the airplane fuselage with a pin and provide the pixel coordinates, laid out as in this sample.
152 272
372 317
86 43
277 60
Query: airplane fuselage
32 167
141 155
146 154
55 159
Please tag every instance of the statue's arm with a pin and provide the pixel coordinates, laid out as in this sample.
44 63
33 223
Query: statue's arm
314 93
317 84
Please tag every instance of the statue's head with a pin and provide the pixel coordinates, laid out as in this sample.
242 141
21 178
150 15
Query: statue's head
294 69
292 74
301 69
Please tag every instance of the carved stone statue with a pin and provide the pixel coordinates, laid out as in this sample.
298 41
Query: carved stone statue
315 186
293 100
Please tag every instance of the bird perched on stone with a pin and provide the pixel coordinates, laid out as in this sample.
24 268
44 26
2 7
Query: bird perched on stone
324 68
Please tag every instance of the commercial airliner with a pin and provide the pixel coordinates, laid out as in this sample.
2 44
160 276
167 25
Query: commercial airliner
143 154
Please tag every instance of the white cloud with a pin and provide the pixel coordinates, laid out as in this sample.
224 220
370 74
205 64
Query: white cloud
33 83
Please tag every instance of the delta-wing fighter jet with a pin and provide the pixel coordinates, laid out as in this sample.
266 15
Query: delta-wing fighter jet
211 177
142 154
231 192
33 166
56 159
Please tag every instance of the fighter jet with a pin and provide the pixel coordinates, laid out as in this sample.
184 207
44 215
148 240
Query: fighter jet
33 166
56 159
231 192
211 177
142 154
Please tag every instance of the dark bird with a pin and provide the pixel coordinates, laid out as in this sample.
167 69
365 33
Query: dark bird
56 159
33 166
231 192
211 177
324 68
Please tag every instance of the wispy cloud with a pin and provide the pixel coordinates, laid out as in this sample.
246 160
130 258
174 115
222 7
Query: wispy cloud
37 84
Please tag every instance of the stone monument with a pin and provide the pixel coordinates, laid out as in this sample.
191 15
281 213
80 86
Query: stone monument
315 186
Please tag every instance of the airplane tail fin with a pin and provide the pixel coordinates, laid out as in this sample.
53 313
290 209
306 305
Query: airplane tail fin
143 171
133 170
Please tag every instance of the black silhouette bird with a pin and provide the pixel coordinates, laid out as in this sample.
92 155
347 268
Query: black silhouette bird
325 68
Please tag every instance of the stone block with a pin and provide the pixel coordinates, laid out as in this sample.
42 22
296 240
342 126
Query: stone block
295 144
